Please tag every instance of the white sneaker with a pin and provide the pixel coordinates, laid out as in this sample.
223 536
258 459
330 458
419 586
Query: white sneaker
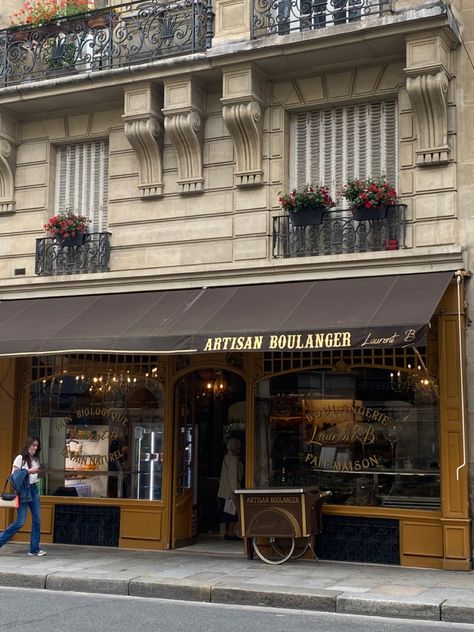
39 553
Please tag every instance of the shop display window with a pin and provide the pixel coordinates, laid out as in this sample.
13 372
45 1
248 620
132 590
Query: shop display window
367 434
102 433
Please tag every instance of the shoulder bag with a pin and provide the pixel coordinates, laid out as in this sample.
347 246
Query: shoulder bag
7 499
229 507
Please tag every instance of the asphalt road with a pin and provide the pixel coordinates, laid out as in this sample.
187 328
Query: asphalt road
49 611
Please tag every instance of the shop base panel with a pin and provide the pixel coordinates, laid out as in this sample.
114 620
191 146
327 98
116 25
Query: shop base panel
356 539
86 524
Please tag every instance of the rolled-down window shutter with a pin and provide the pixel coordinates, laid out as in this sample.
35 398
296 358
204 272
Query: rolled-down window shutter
343 142
82 173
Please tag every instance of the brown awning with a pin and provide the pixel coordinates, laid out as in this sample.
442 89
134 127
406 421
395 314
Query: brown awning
382 311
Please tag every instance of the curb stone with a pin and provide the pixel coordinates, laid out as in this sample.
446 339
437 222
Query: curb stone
457 611
97 584
399 608
185 590
275 596
21 580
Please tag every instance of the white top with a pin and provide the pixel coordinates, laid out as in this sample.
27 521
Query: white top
23 465
232 473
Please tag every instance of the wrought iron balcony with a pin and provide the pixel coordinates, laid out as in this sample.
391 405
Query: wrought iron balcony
91 256
122 35
340 234
280 17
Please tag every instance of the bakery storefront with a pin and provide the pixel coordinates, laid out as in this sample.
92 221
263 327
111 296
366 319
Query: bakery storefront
353 385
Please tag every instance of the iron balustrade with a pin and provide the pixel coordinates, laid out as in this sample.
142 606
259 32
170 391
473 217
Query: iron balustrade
123 35
339 234
280 17
91 256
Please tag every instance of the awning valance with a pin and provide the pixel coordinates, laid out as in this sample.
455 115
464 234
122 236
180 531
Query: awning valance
367 312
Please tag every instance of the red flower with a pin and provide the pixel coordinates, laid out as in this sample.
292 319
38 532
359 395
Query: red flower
310 196
370 193
66 223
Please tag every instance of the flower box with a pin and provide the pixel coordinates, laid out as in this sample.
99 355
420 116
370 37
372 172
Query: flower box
308 216
362 213
306 207
76 240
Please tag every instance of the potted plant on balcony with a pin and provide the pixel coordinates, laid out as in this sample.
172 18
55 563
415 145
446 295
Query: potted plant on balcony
37 12
308 206
369 198
67 228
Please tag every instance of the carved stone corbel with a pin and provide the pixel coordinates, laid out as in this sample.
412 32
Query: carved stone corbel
186 133
245 125
184 124
7 181
242 112
8 145
143 127
429 97
429 60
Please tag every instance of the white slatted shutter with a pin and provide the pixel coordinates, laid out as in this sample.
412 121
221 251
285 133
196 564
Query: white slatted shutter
82 174
332 145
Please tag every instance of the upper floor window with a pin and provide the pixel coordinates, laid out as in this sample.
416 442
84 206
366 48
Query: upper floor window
329 146
82 172
284 16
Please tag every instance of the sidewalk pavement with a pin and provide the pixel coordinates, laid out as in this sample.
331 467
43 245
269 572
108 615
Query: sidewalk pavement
227 576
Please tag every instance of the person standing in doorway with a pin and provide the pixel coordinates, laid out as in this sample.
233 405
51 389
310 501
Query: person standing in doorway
232 473
24 476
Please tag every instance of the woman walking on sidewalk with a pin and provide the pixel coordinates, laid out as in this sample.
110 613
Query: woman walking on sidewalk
25 470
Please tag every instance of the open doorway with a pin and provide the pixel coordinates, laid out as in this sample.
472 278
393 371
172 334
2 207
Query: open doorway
210 410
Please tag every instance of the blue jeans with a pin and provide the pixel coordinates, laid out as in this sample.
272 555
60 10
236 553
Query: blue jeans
35 508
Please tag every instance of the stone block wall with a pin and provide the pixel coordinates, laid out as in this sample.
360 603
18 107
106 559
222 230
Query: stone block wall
464 96
224 225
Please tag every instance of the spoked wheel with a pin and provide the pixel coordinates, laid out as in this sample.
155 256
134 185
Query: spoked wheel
274 550
301 545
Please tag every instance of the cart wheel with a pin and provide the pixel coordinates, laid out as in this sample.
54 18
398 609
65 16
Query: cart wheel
301 545
271 553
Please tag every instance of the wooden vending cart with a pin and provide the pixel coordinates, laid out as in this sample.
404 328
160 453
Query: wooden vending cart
280 523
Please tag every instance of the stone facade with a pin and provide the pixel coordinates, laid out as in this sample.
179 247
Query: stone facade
197 160
199 150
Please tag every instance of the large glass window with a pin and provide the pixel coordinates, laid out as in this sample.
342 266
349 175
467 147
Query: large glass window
101 430
369 435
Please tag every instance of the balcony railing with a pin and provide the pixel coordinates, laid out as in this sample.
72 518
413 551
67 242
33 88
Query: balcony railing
91 256
340 234
280 17
122 35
